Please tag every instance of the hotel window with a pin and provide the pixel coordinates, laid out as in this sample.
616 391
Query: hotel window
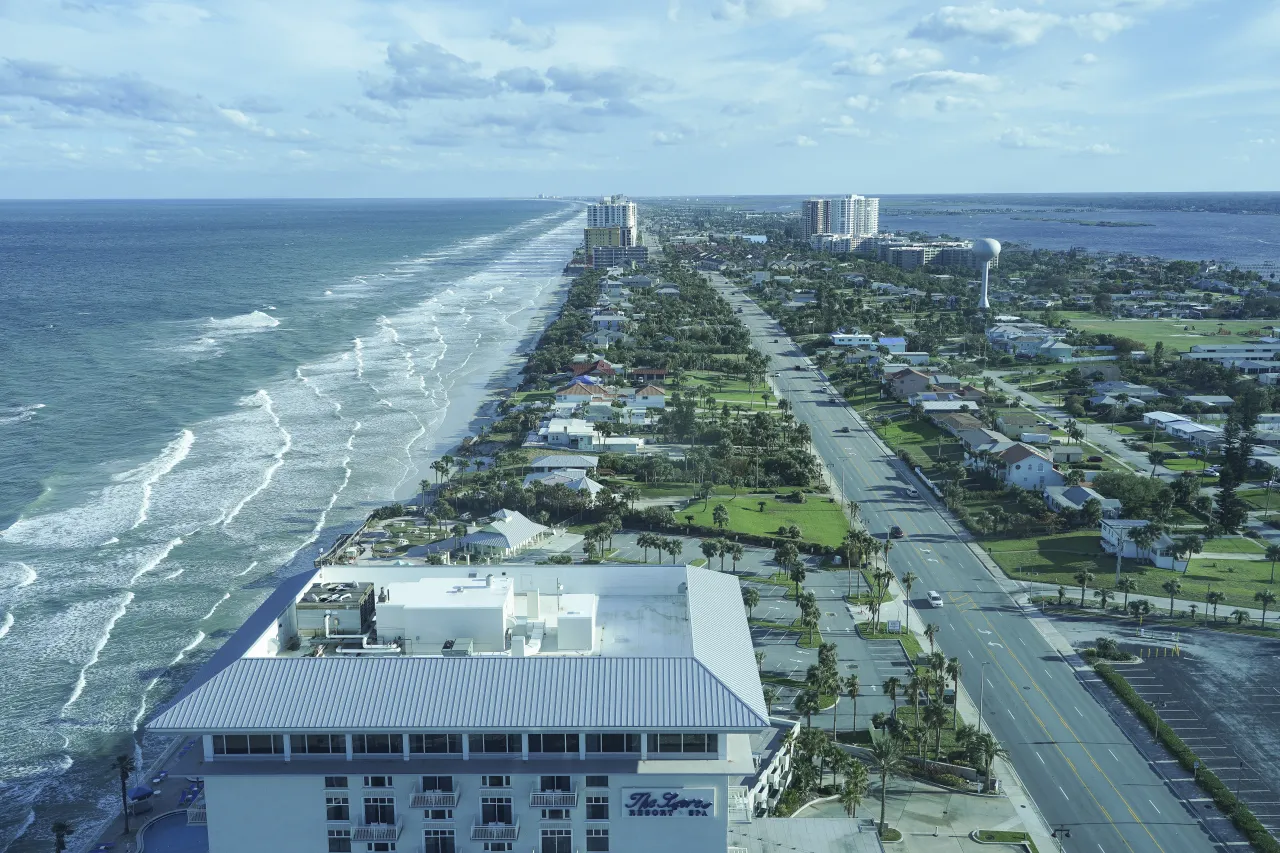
435 744
555 783
437 783
557 841
337 808
379 810
499 743
613 742
497 846
437 841
495 781
381 847
597 781
438 814
556 814
379 781
686 743
597 808
553 743
377 744
598 839
335 781
496 810
318 744
339 841
248 744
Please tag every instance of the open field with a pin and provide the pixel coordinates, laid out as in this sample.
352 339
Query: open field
1178 335
819 520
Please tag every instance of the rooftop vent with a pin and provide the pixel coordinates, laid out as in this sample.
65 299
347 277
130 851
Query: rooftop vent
457 648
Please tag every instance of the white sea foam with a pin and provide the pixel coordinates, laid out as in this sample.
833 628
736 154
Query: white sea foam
19 414
217 604
263 399
6 624
81 680
114 540
28 575
155 559
255 321
173 454
251 567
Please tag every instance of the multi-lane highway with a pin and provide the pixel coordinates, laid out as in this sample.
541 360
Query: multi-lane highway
1071 756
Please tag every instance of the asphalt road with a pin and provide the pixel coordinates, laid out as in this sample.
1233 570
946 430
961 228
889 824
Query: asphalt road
1072 757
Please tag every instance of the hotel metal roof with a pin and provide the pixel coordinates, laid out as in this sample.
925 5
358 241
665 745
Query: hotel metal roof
715 687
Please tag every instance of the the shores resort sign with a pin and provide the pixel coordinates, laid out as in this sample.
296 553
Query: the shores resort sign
682 802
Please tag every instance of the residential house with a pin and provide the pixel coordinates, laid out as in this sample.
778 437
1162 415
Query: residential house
840 339
605 338
1161 419
648 397
1056 350
1116 535
1135 392
907 382
1014 423
894 345
505 534
945 382
1221 401
573 433
648 375
1201 435
609 319
1067 453
912 357
599 367
1073 499
574 479
555 463
957 423
975 439
583 392
1025 466
939 407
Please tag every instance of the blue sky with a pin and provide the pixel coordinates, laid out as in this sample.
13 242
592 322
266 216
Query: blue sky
112 98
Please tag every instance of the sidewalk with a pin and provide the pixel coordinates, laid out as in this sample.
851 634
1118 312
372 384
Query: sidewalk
1159 604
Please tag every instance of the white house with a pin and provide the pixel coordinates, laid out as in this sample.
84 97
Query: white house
1073 499
1116 535
611 320
556 462
573 433
506 534
1027 467
580 391
894 345
574 479
648 397
840 339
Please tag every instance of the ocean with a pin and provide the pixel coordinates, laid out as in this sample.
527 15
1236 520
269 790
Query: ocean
195 397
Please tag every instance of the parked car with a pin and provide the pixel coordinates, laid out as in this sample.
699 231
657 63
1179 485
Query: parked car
911 490
1095 458
935 598
895 532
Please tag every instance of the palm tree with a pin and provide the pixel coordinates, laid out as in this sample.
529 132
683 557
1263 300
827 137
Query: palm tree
751 598
798 574
1084 578
931 632
808 702
124 764
855 786
891 686
1242 617
1126 585
1213 598
736 552
954 670
988 750
1104 596
1173 586
458 531
935 718
674 547
908 580
1267 598
61 829
645 541
1273 554
770 696
851 685
890 760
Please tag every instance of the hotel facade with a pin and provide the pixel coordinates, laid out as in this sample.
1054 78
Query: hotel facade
433 709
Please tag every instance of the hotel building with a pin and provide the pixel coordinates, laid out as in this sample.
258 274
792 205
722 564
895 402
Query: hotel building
845 216
431 709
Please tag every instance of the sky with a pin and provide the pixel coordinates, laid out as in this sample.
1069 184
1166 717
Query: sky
374 98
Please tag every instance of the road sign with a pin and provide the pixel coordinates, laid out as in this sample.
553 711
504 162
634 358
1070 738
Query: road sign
894 626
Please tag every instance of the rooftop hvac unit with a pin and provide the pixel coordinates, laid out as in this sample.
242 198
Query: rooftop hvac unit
458 648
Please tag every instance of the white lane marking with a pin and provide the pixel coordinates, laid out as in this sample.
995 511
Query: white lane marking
970 653
989 684
1157 808
1064 793
1011 716
1041 759
1113 755
1020 640
997 645
1048 673
980 631
1078 711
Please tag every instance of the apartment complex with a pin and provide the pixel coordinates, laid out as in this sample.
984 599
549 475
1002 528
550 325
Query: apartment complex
544 708
611 212
849 215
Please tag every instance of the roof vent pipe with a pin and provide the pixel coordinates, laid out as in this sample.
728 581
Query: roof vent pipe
488 580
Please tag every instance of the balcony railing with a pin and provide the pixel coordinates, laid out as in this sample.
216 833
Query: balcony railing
553 799
378 831
196 815
434 799
495 831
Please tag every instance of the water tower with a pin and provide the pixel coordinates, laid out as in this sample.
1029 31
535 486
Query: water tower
985 251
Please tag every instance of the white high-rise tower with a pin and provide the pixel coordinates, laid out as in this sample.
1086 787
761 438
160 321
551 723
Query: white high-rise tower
985 251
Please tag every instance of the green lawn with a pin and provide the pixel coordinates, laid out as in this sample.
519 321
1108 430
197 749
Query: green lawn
908 639
1178 336
1233 545
950 752
1259 500
819 519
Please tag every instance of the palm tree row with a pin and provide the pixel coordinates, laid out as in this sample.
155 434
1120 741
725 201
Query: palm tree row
663 544
712 548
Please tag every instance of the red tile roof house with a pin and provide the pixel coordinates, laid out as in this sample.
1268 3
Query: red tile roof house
582 392
648 374
600 367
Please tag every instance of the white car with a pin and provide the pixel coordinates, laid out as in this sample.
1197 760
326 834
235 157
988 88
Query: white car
935 599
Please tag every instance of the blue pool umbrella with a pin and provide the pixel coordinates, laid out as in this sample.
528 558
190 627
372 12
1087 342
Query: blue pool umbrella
140 793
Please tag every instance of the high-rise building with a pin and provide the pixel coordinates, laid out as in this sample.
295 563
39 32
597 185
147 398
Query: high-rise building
592 237
437 709
615 211
853 215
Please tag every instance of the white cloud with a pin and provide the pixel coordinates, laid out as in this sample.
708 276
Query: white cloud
1100 26
875 64
526 37
845 126
950 79
861 102
1056 137
1087 59
746 10
998 26
798 141
670 137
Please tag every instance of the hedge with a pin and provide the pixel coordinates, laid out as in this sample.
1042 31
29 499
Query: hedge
1225 800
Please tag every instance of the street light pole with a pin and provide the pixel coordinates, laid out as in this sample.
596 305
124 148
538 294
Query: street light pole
982 685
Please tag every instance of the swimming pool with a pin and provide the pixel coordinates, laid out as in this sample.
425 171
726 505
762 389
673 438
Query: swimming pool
170 834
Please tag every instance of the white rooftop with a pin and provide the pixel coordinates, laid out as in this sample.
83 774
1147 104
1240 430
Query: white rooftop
450 592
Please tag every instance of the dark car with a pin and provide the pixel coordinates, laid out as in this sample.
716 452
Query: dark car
895 532
843 429
1095 458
